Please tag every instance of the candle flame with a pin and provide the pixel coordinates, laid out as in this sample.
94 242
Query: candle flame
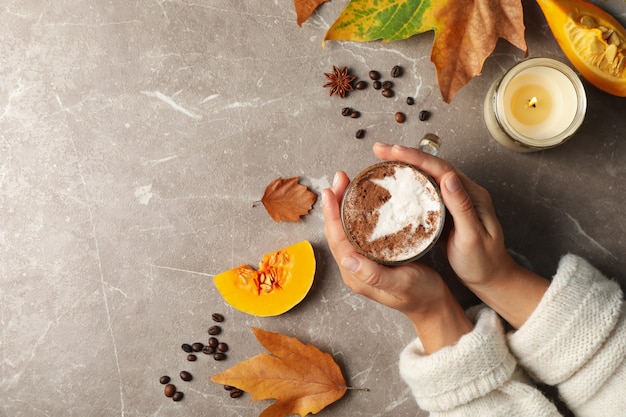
532 102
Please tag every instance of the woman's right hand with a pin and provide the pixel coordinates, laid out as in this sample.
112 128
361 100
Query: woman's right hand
475 246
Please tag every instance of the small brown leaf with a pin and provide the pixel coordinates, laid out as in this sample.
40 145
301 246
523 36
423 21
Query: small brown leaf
285 199
301 378
305 8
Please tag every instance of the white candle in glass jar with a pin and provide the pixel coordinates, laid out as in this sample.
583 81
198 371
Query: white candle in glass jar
538 104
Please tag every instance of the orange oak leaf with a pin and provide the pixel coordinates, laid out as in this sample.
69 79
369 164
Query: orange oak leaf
305 8
301 378
466 31
285 199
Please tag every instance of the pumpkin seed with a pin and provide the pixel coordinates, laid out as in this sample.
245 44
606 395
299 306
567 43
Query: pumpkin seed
596 46
611 53
614 39
588 21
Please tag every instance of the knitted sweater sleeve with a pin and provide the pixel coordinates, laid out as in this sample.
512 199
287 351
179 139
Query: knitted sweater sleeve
576 339
477 376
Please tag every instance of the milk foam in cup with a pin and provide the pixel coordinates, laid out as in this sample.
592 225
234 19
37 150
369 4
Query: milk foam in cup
392 213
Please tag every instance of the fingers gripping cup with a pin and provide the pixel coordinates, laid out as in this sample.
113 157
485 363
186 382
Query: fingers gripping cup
392 213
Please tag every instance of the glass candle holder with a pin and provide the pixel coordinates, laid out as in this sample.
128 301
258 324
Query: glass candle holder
538 104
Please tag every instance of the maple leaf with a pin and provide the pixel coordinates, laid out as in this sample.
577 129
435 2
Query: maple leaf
285 199
466 31
305 8
301 378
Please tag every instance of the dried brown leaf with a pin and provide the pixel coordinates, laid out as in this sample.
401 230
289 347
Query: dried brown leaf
285 199
301 378
305 8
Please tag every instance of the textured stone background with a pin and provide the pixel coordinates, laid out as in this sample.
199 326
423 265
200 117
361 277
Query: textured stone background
134 137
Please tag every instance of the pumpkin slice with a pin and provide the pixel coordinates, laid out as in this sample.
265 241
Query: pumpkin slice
283 280
593 41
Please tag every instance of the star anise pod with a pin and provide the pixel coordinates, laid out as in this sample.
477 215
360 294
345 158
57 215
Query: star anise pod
339 81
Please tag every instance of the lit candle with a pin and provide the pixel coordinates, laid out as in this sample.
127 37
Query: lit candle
538 104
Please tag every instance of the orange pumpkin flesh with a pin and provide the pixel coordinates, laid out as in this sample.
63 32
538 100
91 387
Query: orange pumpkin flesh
593 41
283 280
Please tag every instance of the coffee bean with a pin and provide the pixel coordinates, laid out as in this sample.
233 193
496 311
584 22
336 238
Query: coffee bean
400 117
217 317
361 85
229 387
187 347
346 111
236 393
185 376
222 347
410 101
219 356
396 71
178 396
355 114
374 75
360 134
164 379
213 342
197 347
387 85
169 390
377 85
424 115
215 330
208 350
191 357
388 93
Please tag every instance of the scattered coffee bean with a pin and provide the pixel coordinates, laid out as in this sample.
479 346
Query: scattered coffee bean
169 390
191 357
178 396
236 393
388 93
361 85
374 75
187 347
222 347
410 101
400 117
396 71
185 376
387 85
197 347
360 134
164 379
346 111
229 387
217 317
424 115
377 85
215 330
213 342
355 114
208 350
219 356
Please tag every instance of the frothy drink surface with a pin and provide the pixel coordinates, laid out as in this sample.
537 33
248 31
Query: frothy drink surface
392 212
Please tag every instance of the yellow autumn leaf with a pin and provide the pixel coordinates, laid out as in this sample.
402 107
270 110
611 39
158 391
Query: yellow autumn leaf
466 31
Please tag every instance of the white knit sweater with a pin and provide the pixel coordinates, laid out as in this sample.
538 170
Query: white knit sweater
575 340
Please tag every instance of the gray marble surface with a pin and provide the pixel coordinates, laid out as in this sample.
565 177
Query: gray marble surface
134 137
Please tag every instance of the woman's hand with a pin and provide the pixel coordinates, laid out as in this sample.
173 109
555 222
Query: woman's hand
475 246
413 289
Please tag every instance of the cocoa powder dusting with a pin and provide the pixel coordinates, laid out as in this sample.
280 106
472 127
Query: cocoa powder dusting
360 215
